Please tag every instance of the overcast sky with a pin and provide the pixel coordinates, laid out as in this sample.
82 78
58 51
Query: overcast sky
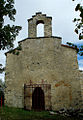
62 13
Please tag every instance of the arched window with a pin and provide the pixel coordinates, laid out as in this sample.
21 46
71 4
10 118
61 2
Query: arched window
40 30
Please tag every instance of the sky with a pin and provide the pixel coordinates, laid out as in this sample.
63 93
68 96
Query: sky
62 13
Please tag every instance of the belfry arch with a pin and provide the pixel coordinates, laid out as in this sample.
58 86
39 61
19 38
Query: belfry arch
37 19
40 30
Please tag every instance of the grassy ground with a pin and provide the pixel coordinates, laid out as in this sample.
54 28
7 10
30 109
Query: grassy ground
20 114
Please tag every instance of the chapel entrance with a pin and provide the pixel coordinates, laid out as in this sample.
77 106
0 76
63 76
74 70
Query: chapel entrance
38 101
37 96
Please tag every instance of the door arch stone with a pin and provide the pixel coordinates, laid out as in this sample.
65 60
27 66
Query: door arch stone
44 94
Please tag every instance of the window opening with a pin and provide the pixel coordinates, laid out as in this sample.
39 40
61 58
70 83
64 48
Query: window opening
40 30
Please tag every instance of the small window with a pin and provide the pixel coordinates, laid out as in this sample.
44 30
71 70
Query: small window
40 30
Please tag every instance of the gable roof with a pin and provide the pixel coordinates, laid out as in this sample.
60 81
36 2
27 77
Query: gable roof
10 51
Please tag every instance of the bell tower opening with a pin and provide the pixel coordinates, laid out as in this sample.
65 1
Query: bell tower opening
34 23
40 30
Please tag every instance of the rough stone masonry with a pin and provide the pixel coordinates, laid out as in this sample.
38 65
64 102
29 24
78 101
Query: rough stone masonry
44 75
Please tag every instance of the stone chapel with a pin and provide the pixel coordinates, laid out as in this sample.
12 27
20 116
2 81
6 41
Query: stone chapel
45 74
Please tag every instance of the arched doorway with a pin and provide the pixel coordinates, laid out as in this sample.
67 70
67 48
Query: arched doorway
38 102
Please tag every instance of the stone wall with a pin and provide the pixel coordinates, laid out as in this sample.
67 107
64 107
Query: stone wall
35 20
43 59
81 83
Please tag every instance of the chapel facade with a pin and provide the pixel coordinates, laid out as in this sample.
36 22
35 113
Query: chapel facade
44 75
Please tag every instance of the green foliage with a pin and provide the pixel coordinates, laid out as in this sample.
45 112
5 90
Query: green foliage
7 33
79 50
21 114
2 87
1 68
79 21
74 46
16 50
2 84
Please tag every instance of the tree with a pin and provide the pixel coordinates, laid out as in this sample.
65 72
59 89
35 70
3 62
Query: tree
2 84
79 48
7 33
2 68
79 28
79 21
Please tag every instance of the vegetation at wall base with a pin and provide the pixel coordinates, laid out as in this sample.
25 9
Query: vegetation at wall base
21 114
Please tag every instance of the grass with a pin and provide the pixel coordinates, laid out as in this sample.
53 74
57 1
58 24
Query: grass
21 114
